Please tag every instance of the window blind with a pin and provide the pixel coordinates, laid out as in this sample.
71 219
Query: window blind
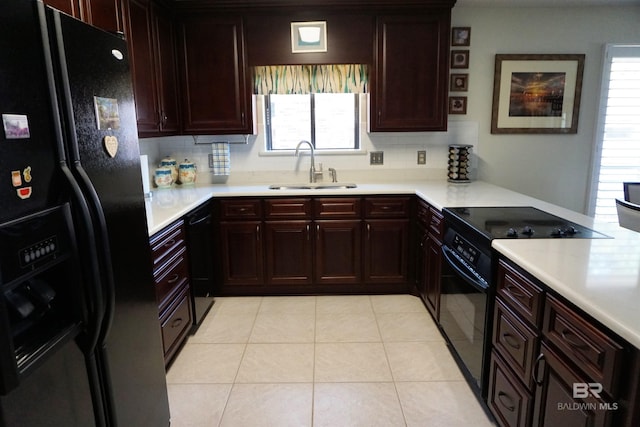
618 134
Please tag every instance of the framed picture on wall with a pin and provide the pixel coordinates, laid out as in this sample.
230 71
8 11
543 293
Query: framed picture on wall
537 93
459 59
457 105
461 36
459 82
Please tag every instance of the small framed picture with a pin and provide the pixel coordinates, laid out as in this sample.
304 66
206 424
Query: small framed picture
461 36
457 105
459 59
459 82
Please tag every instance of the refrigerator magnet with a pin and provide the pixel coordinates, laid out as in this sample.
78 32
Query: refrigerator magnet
107 114
26 173
24 192
16 178
16 126
111 145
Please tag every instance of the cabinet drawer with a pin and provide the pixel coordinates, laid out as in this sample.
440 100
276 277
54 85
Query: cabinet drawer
386 207
170 278
422 213
515 342
436 223
337 207
166 243
287 208
520 294
589 348
176 323
241 209
508 400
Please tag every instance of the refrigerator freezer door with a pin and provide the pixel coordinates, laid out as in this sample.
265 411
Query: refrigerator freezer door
28 182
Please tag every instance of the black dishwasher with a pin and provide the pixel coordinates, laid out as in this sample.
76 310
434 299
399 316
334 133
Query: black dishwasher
200 247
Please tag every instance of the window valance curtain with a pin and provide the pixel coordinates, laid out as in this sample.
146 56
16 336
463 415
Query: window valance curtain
303 79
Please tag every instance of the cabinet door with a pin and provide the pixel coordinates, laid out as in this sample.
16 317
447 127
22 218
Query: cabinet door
554 402
166 71
433 269
140 39
216 91
338 252
385 250
421 262
104 14
409 79
70 7
241 253
288 247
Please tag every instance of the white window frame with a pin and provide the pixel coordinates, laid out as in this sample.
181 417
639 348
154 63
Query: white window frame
353 150
610 51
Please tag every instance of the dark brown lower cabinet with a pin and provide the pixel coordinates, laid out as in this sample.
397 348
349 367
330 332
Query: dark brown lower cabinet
555 404
433 268
172 286
509 401
289 257
297 245
242 253
386 250
338 252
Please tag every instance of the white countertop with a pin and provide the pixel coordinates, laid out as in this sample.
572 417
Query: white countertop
601 276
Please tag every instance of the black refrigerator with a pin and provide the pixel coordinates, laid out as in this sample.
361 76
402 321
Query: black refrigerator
80 341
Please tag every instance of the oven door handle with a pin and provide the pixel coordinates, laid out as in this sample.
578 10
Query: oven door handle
451 259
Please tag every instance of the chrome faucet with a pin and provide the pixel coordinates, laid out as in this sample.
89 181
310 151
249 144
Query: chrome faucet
312 171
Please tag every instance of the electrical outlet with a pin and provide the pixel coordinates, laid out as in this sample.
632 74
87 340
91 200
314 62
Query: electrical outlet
376 158
422 157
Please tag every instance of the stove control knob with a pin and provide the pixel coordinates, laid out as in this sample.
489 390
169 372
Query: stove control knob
558 232
571 230
512 232
527 231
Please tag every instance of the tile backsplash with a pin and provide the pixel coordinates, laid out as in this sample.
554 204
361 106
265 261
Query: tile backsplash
250 163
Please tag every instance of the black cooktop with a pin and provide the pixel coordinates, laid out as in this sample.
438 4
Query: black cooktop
517 222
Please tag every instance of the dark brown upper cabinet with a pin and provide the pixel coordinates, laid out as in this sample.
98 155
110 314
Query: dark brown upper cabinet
216 86
104 14
408 82
151 38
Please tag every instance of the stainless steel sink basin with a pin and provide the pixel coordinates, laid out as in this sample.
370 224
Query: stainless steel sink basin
313 186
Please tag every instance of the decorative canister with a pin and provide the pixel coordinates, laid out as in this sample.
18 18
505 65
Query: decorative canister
168 162
162 177
187 172
459 162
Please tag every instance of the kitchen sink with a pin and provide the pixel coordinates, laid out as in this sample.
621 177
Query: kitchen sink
312 186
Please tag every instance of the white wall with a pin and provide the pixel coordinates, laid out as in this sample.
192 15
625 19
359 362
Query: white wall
554 168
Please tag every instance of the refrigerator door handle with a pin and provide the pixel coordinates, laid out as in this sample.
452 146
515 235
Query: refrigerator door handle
104 256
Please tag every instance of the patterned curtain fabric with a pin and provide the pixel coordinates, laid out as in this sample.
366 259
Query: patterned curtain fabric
303 79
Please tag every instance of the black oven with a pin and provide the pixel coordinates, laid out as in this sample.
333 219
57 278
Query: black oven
465 302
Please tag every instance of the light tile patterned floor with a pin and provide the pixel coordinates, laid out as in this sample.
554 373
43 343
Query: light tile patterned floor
319 361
